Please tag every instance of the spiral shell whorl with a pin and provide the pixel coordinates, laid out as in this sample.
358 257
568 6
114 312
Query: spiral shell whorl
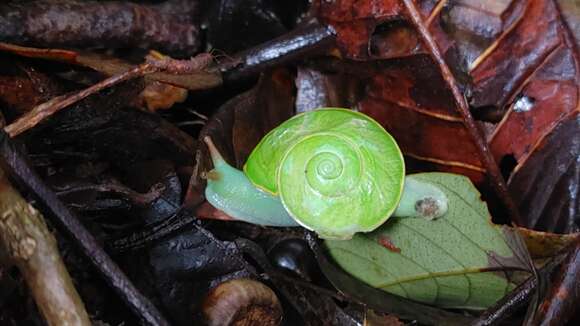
332 166
337 171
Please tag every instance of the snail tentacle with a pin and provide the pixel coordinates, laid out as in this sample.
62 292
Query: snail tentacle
421 199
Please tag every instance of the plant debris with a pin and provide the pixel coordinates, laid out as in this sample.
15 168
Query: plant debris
104 107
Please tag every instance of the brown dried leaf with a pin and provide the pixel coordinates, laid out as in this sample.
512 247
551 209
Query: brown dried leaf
159 96
355 22
410 99
515 60
22 87
545 244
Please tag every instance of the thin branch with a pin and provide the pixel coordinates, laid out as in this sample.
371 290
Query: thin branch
307 40
28 243
509 304
47 109
489 162
15 163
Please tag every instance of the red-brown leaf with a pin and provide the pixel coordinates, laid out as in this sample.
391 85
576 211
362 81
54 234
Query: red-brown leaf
518 63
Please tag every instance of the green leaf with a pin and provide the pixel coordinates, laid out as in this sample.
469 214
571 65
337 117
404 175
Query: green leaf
460 260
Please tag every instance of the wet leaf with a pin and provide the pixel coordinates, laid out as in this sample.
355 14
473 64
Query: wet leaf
458 260
410 100
119 167
516 63
380 300
529 69
253 21
183 267
561 302
315 89
355 22
546 184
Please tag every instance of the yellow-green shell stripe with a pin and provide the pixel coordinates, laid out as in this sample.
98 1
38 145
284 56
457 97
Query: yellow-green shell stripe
337 171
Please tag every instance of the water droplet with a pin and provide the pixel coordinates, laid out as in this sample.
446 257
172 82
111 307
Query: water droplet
524 104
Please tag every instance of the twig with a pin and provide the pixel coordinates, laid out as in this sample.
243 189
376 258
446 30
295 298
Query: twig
181 67
491 166
509 304
309 39
47 109
29 244
15 163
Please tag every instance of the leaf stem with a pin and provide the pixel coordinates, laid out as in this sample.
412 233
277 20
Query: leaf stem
489 162
306 40
509 304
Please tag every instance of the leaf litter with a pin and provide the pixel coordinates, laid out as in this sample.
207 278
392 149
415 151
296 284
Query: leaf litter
515 81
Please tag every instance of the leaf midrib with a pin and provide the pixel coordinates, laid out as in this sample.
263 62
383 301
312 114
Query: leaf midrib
423 276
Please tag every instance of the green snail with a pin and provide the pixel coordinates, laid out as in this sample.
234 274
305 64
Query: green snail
333 171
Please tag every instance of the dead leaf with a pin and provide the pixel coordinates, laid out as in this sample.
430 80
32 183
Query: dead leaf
517 64
159 96
546 244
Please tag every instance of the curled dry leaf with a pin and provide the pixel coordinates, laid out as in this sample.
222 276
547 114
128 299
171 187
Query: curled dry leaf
159 96
242 302
545 244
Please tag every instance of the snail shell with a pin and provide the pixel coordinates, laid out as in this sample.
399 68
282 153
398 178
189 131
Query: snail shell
337 171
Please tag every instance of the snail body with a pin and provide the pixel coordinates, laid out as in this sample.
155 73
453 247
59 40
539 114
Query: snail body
334 171
232 192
